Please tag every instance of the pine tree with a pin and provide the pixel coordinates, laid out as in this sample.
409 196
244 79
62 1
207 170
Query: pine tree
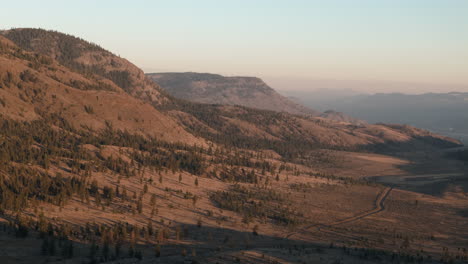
67 250
153 200
154 212
140 206
93 250
131 251
52 247
157 251
105 251
117 249
138 255
124 194
45 246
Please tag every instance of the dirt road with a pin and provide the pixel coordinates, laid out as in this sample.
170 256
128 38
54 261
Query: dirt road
378 207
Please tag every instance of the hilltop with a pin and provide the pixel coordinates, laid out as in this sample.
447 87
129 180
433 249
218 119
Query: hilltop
36 87
88 59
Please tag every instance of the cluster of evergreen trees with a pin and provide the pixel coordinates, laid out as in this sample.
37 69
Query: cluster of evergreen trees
47 142
105 242
256 203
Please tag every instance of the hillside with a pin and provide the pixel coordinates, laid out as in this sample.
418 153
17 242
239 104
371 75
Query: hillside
216 89
88 59
94 170
38 87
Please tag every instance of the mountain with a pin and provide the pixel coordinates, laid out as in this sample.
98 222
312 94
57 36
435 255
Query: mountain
243 91
216 89
179 120
440 112
91 88
99 164
88 59
37 86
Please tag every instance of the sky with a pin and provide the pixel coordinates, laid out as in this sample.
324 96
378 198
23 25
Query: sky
291 44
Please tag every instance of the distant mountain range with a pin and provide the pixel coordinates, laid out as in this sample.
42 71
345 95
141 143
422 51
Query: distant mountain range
251 92
445 113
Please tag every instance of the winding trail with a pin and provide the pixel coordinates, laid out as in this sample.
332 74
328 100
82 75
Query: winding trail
378 207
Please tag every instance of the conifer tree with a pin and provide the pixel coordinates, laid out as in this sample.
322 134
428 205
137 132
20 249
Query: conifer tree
157 251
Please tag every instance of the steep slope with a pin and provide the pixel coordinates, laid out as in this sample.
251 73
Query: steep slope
35 86
216 89
88 59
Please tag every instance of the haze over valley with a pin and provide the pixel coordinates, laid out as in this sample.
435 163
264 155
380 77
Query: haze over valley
445 113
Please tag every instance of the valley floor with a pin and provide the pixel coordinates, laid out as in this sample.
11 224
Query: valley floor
404 218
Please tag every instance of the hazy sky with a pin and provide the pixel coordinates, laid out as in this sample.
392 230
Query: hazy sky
407 41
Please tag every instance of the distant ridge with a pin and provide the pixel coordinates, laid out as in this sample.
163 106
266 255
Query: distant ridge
216 89
341 117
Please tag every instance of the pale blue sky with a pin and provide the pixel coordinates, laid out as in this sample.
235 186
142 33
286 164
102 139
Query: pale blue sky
424 41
